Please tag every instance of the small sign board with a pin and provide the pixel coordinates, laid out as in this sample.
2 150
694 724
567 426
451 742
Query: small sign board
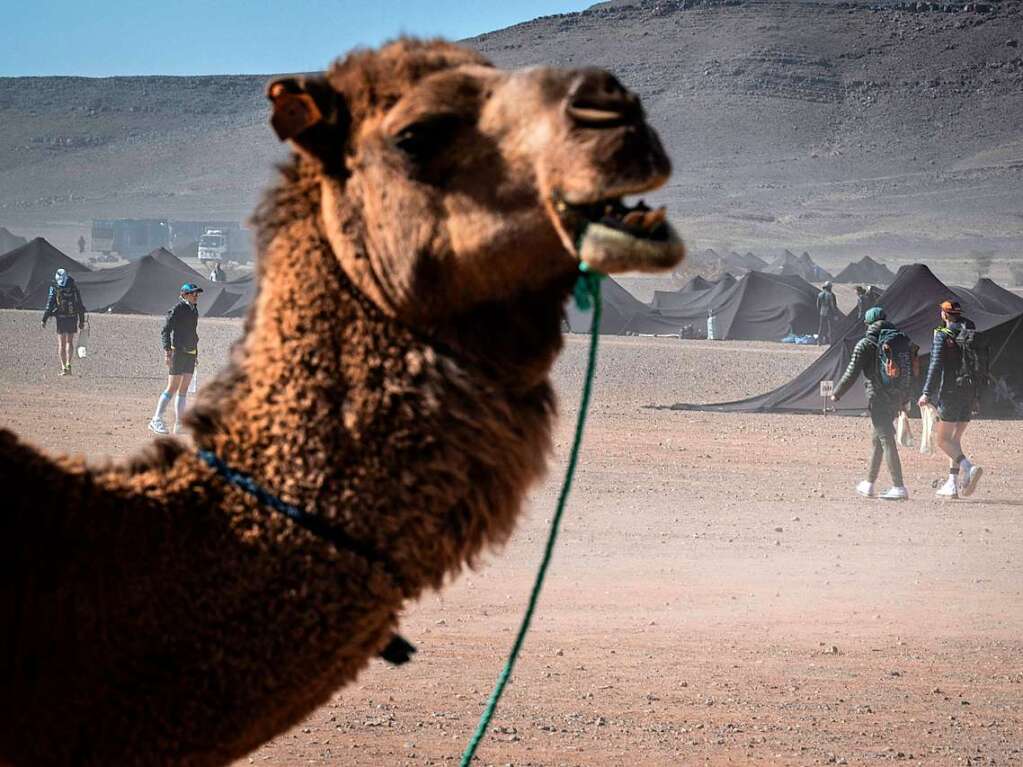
827 388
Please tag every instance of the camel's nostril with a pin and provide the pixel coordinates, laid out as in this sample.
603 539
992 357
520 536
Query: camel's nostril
596 99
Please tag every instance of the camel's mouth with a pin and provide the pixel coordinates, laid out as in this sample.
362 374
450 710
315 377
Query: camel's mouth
612 236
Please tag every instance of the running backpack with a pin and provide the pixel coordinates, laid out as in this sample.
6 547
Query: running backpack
971 372
895 356
67 301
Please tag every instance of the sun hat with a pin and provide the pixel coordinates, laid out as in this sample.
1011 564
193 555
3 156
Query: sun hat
188 287
874 314
60 277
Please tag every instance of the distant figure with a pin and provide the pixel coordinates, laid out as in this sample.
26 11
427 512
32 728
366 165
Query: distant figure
217 274
181 351
886 395
65 303
81 244
954 380
861 303
826 307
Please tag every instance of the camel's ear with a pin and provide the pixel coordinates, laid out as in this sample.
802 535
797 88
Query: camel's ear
312 115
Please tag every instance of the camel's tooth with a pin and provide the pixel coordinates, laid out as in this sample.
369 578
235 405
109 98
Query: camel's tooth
654 218
634 219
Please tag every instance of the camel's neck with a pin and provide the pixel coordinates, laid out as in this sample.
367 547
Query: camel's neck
403 441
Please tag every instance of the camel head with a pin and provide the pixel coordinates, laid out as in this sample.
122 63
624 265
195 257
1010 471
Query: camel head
446 182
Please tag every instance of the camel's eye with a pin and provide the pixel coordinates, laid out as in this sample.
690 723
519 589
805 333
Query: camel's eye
423 139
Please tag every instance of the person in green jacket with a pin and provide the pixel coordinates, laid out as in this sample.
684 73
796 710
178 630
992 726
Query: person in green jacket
883 410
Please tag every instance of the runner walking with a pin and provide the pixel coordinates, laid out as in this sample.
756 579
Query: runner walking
887 390
181 350
953 384
64 302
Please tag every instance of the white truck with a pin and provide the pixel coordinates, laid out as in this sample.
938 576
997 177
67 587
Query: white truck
212 247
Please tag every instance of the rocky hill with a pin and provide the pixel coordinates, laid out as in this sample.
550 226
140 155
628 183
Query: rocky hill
892 129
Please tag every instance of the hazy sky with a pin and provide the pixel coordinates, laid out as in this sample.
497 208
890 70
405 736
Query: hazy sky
177 37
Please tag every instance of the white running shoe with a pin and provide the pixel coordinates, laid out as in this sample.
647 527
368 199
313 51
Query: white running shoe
895 494
157 426
866 489
949 489
970 480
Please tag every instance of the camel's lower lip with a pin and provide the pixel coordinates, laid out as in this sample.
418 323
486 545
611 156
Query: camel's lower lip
611 236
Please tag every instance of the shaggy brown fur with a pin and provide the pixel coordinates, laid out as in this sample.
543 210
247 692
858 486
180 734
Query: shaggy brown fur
392 380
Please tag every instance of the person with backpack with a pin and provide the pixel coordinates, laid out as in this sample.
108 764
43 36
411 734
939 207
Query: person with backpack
955 380
181 351
64 302
885 357
827 307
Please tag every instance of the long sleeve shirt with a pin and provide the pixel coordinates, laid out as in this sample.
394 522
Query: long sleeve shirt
944 360
179 331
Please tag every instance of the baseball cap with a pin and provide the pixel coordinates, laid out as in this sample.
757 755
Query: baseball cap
874 314
60 277
188 287
951 307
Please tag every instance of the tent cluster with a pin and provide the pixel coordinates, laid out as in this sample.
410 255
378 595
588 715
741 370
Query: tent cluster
756 307
790 265
866 271
911 303
149 285
726 263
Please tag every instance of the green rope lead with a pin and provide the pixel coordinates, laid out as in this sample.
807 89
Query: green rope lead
587 292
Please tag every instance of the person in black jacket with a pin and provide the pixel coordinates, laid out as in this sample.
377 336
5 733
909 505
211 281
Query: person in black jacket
64 302
883 410
181 351
955 400
865 300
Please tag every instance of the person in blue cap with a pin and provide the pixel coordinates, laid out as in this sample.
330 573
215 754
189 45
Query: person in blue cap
883 402
181 351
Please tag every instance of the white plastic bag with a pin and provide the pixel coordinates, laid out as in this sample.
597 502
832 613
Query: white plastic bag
929 416
903 433
193 385
83 341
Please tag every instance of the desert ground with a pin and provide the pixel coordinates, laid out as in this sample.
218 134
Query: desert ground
718 595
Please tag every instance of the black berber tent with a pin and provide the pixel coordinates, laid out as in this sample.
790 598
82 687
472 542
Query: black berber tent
618 306
30 268
757 307
866 271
